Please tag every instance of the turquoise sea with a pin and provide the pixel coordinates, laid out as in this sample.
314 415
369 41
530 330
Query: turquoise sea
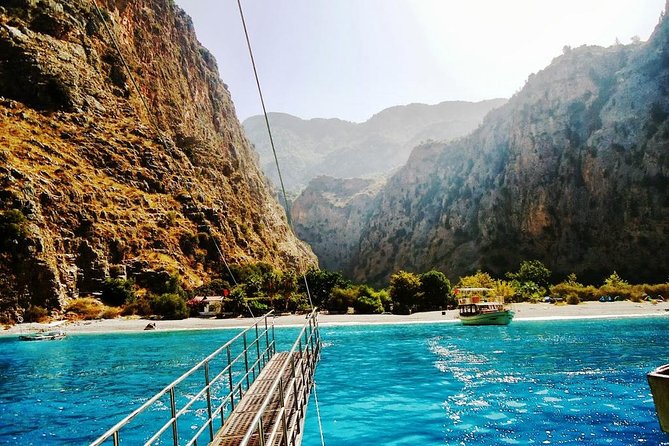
529 383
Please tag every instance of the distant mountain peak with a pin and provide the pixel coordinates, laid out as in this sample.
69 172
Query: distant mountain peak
312 147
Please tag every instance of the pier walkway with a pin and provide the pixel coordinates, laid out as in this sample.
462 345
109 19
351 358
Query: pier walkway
244 393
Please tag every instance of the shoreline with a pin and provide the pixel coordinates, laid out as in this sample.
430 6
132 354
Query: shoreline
524 312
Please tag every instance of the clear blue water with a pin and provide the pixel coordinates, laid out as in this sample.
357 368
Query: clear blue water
548 382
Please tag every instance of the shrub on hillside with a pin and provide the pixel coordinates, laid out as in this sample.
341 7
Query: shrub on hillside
584 293
110 313
35 313
170 306
660 289
13 227
138 307
85 308
572 299
117 292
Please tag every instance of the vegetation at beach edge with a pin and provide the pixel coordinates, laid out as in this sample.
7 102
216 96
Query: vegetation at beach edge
257 288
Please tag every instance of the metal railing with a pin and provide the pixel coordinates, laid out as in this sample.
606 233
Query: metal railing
292 392
227 374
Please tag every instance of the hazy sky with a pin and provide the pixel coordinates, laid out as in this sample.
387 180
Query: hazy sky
352 58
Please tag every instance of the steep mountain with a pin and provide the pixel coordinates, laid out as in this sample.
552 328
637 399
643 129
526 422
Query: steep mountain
310 148
98 180
573 170
330 215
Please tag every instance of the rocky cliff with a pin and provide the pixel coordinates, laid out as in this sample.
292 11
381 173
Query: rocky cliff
573 170
330 214
332 147
103 173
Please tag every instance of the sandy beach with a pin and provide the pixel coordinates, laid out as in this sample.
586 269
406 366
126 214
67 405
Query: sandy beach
524 311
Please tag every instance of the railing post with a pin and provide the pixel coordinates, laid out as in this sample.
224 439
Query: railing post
258 350
267 352
207 383
117 439
295 390
302 362
246 362
284 421
261 433
173 406
273 340
232 389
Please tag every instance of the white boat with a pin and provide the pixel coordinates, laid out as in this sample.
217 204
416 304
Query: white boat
48 333
476 306
658 380
43 336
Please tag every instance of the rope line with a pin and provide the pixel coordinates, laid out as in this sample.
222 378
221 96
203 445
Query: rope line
264 110
318 415
283 189
269 132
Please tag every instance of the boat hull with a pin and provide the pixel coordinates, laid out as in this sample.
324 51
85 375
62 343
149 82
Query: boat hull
496 318
51 336
658 380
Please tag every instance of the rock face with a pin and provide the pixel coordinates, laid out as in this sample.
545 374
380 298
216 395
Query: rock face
330 214
114 182
573 170
331 147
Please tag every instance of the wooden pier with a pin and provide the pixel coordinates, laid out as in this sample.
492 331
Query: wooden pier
252 395
283 416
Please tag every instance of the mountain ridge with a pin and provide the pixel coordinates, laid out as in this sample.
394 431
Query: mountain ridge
335 147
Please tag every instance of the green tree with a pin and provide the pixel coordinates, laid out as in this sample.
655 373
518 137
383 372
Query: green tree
532 271
368 301
341 299
528 290
386 300
321 283
404 291
435 289
505 289
237 302
614 285
615 281
573 280
287 287
479 279
214 288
